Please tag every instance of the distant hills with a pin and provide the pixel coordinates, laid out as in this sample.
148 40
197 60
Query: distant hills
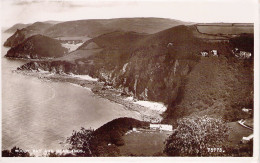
21 34
16 27
21 26
93 27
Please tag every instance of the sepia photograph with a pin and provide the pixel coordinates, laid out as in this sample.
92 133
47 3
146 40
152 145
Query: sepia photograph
125 79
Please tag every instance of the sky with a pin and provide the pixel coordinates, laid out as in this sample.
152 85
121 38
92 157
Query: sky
29 11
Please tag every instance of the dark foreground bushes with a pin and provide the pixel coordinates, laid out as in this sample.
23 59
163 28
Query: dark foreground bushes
204 136
15 152
196 136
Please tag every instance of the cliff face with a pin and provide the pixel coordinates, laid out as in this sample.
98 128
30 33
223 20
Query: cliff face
22 34
167 67
37 47
18 37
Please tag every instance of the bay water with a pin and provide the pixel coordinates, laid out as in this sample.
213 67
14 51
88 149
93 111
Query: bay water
39 114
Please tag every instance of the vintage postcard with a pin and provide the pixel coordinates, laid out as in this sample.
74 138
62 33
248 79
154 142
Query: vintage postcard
130 80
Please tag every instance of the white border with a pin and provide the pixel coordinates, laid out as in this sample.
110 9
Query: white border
254 159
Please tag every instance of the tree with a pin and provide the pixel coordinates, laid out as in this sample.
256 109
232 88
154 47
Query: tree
80 142
196 136
15 152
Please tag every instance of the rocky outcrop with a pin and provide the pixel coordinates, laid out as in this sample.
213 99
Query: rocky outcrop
37 47
22 34
15 27
149 69
18 37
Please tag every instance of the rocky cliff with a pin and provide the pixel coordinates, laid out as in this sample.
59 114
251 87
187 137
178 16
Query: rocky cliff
167 67
22 34
37 47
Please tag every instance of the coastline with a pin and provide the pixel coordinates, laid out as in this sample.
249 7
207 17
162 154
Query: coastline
98 88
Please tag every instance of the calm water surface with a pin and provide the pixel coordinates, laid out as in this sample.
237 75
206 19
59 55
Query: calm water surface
38 115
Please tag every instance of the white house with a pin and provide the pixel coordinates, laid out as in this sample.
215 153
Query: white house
244 54
246 110
204 54
247 139
214 52
170 44
241 54
162 127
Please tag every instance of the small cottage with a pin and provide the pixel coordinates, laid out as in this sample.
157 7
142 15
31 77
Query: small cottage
204 53
246 110
162 127
169 44
214 52
241 54
245 55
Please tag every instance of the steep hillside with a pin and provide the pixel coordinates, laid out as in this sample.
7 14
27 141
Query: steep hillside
39 27
20 35
92 28
167 67
16 27
36 47
96 27
218 87
142 25
115 40
21 26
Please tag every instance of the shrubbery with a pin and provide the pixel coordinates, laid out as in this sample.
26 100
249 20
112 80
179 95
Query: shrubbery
195 135
104 141
15 152
80 141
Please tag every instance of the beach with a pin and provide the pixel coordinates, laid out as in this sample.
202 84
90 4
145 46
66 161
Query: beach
149 111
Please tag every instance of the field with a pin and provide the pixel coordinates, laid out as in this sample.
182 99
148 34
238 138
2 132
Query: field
83 38
225 29
144 143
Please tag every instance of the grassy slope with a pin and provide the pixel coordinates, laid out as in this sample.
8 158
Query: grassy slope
112 132
176 75
226 29
95 27
217 86
144 143
237 132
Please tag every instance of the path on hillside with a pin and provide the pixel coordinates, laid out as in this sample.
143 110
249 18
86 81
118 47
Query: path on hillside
242 123
237 132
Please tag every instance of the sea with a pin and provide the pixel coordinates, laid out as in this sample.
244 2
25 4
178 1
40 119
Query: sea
39 115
